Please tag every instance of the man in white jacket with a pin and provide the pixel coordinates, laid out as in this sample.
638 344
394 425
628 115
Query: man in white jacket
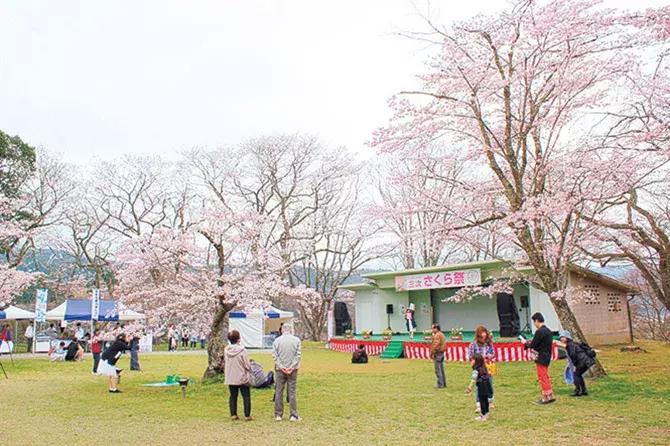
30 335
286 351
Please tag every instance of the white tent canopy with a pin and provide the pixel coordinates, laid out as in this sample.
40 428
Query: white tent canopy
255 325
12 313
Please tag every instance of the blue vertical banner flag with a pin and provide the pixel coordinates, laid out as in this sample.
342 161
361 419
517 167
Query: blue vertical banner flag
95 304
41 305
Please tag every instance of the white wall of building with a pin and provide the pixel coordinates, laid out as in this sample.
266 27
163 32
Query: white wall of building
539 302
371 309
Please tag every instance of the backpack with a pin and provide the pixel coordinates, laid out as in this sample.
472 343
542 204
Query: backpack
586 348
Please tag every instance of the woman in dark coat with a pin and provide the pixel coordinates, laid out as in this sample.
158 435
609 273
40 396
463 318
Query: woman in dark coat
581 361
135 354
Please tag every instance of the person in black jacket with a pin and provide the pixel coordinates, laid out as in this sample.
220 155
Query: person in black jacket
580 360
542 344
360 356
107 364
74 352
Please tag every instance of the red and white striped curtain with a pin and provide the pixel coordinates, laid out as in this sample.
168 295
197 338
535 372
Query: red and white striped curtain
372 348
458 351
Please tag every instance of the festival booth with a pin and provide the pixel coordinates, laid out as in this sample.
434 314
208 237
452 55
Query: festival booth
12 313
81 310
256 326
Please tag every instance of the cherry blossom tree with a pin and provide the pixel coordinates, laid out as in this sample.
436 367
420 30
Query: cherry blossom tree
293 203
513 93
12 280
418 194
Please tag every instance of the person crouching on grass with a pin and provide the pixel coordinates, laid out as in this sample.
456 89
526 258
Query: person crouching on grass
482 379
109 358
238 375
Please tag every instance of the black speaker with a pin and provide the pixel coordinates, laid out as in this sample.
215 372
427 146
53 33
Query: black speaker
508 315
389 308
524 302
342 318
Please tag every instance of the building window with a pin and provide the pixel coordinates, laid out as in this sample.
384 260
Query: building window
592 295
614 304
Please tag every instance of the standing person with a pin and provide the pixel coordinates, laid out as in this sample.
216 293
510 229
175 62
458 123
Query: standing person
483 345
30 335
238 375
580 359
51 332
410 323
170 337
96 349
286 351
184 340
135 354
437 348
110 357
177 338
203 339
6 334
542 343
482 379
194 340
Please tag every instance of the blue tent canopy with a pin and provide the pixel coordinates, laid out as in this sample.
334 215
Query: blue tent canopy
80 310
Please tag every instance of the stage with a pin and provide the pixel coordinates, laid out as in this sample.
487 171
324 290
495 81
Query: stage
506 349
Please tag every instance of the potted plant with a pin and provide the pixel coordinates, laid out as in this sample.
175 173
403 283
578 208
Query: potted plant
456 334
428 335
386 334
366 334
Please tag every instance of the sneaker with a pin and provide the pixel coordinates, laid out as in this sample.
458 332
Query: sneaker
295 418
584 394
277 418
234 418
482 418
249 418
553 400
478 409
576 393
114 391
540 402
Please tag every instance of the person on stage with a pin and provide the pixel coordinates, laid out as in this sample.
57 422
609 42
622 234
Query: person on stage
410 322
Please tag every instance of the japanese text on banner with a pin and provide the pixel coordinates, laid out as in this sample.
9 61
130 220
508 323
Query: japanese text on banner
440 279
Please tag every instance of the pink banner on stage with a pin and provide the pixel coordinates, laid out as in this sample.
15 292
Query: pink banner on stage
458 351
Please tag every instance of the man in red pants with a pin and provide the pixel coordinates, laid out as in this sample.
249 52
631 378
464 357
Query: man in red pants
542 343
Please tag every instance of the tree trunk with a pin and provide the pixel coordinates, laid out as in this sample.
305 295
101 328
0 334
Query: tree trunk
216 342
569 322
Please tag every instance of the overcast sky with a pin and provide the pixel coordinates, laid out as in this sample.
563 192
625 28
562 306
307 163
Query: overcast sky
90 78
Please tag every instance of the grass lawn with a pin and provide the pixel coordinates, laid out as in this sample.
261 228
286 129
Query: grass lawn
384 402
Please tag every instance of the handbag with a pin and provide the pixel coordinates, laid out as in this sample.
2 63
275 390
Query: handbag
492 368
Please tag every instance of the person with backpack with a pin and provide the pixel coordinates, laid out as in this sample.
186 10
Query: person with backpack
582 357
